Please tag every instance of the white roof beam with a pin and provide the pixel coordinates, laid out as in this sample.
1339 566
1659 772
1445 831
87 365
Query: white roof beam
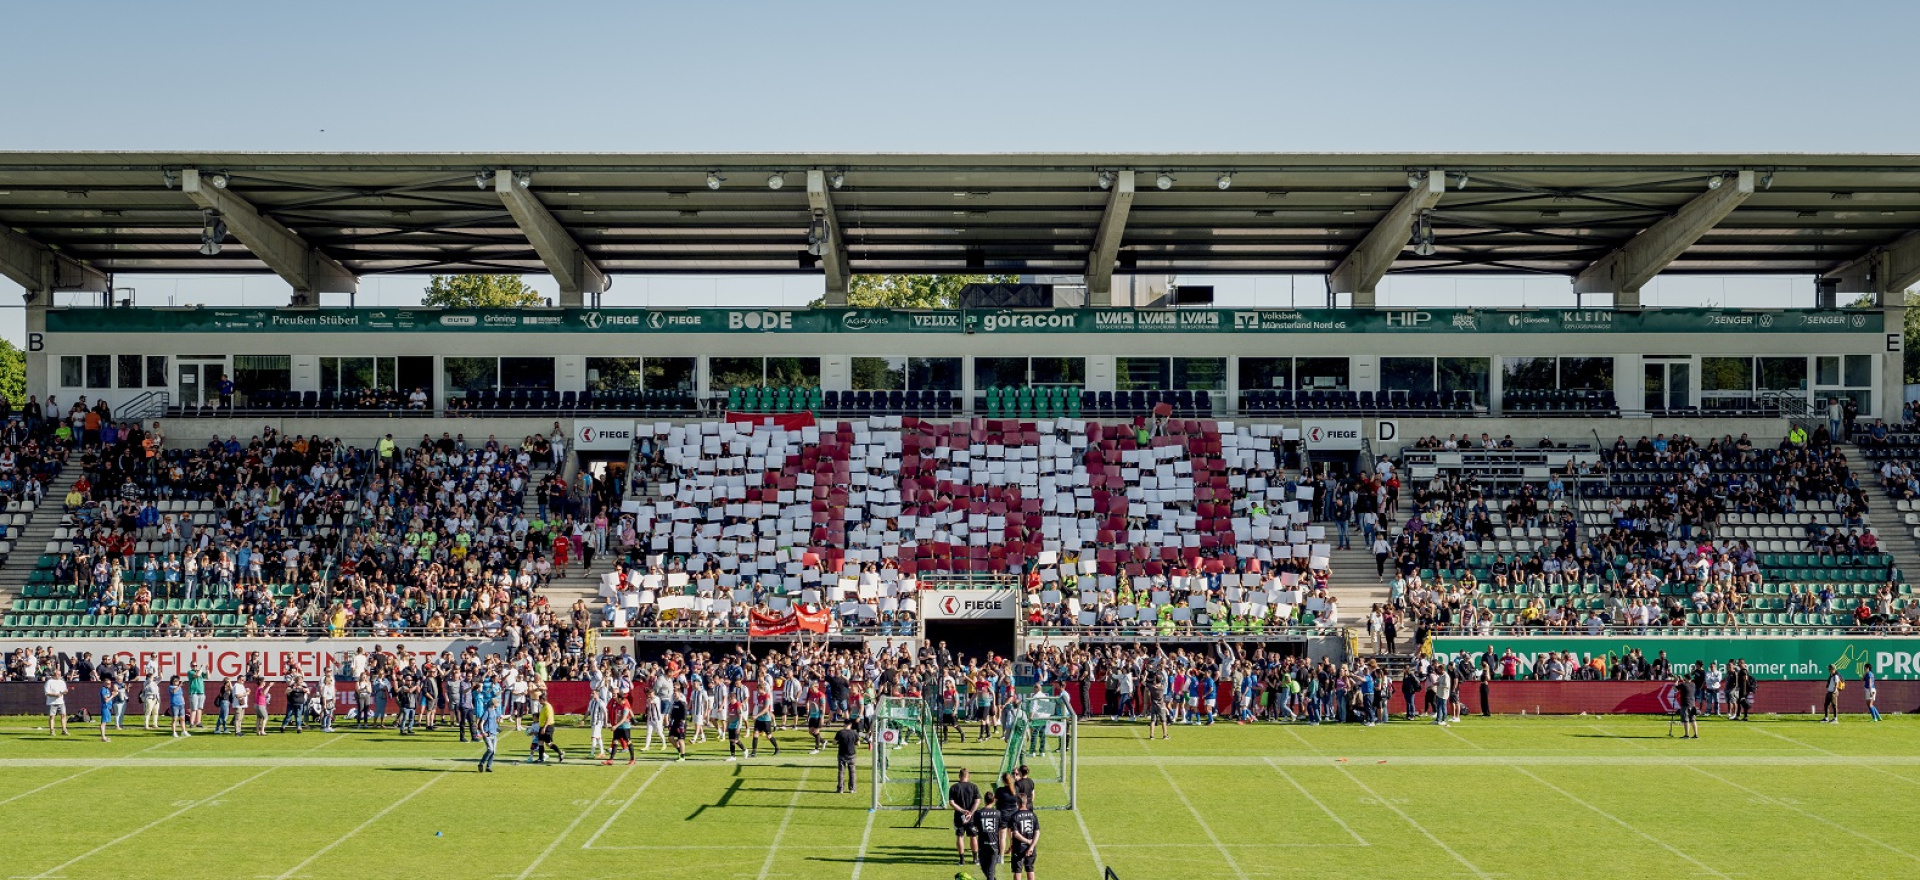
1629 267
42 270
1106 242
834 261
302 265
1360 273
1883 272
571 268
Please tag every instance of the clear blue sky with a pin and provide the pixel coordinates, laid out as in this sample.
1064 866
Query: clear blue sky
954 77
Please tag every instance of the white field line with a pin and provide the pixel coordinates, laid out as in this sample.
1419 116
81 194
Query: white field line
773 849
623 808
1863 762
1483 875
68 778
1318 803
359 828
860 857
1225 853
1237 845
1649 759
144 828
1087 835
1809 814
575 823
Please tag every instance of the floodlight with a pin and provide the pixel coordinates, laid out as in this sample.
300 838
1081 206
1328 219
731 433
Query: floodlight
1164 181
714 180
776 180
836 179
1225 180
481 179
525 179
221 179
1106 180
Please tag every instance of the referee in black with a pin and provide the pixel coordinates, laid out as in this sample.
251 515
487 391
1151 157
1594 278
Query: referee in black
1683 695
846 744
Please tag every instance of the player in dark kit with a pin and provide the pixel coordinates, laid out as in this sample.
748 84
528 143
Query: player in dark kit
1023 838
677 726
988 823
963 798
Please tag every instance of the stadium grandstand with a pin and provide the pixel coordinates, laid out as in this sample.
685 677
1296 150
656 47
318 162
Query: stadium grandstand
1084 496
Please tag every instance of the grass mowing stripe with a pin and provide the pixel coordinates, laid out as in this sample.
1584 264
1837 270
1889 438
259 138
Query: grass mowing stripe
576 822
1477 872
623 807
1809 814
42 788
1197 818
1098 864
144 828
1832 754
773 849
1318 803
361 827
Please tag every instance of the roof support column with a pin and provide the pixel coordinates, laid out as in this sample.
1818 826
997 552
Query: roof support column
42 270
303 266
824 238
1628 268
1360 273
1885 272
569 265
1106 242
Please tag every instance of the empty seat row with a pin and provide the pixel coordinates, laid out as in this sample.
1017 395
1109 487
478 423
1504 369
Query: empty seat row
1279 402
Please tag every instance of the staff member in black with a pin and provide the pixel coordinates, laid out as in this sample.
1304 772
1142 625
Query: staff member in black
1023 839
963 798
1683 694
846 744
988 824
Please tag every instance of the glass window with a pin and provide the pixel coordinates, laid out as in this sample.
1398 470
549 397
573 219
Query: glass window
671 373
262 372
356 373
156 371
1266 373
329 375
388 377
879 374
99 371
1529 374
72 371
1586 373
736 372
1407 374
1859 372
1200 374
1826 370
1323 373
1059 371
793 372
531 373
132 370
1141 373
609 373
468 376
934 374
1726 374
1467 374
997 372
1783 374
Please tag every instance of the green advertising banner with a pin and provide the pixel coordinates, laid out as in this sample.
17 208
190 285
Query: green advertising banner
869 321
1770 658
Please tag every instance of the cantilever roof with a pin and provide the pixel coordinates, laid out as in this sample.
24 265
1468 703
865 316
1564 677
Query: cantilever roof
1036 213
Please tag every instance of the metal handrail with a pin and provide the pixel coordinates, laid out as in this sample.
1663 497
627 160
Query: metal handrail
145 406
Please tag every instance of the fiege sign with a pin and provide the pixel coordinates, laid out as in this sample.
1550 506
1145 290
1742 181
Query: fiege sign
968 604
602 435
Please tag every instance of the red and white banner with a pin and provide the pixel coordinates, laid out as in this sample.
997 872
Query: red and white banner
229 658
762 624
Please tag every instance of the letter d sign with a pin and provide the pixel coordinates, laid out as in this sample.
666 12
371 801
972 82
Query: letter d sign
1386 431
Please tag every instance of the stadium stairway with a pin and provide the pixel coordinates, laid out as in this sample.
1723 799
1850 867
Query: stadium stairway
32 539
1887 523
562 591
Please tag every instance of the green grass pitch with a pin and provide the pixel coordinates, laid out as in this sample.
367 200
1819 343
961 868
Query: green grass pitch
1587 797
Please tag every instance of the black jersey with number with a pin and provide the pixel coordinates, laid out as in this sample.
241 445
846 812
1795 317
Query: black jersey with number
986 828
1024 824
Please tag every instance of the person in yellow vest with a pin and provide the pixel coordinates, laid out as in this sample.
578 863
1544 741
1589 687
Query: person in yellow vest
386 448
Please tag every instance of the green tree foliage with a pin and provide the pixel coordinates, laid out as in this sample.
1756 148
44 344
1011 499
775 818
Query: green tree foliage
480 291
1910 348
13 373
911 291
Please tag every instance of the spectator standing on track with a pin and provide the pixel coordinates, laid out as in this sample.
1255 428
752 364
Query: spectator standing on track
196 695
1440 685
177 707
56 690
1683 696
846 745
1830 700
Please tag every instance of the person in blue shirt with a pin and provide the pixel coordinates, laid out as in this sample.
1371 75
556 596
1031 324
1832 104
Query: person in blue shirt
1869 690
1209 693
489 734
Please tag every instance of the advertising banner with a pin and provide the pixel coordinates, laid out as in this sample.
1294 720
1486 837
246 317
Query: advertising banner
229 658
969 604
871 321
1330 433
603 435
1769 659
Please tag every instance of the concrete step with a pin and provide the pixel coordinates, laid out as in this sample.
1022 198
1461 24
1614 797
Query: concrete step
1888 524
